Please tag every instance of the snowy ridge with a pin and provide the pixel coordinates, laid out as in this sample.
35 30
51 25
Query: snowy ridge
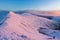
53 15
16 25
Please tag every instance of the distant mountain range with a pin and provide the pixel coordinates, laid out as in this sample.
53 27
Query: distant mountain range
54 15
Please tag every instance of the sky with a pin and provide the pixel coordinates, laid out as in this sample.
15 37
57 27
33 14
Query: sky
29 4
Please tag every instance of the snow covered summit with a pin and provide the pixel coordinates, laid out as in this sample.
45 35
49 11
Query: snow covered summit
16 24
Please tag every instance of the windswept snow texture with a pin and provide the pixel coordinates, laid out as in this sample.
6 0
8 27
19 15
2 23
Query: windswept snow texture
26 26
53 15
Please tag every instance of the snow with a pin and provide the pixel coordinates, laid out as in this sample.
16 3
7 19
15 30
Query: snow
57 19
53 15
16 25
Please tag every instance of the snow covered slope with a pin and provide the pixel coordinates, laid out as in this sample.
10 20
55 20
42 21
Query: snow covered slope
16 25
52 15
3 15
